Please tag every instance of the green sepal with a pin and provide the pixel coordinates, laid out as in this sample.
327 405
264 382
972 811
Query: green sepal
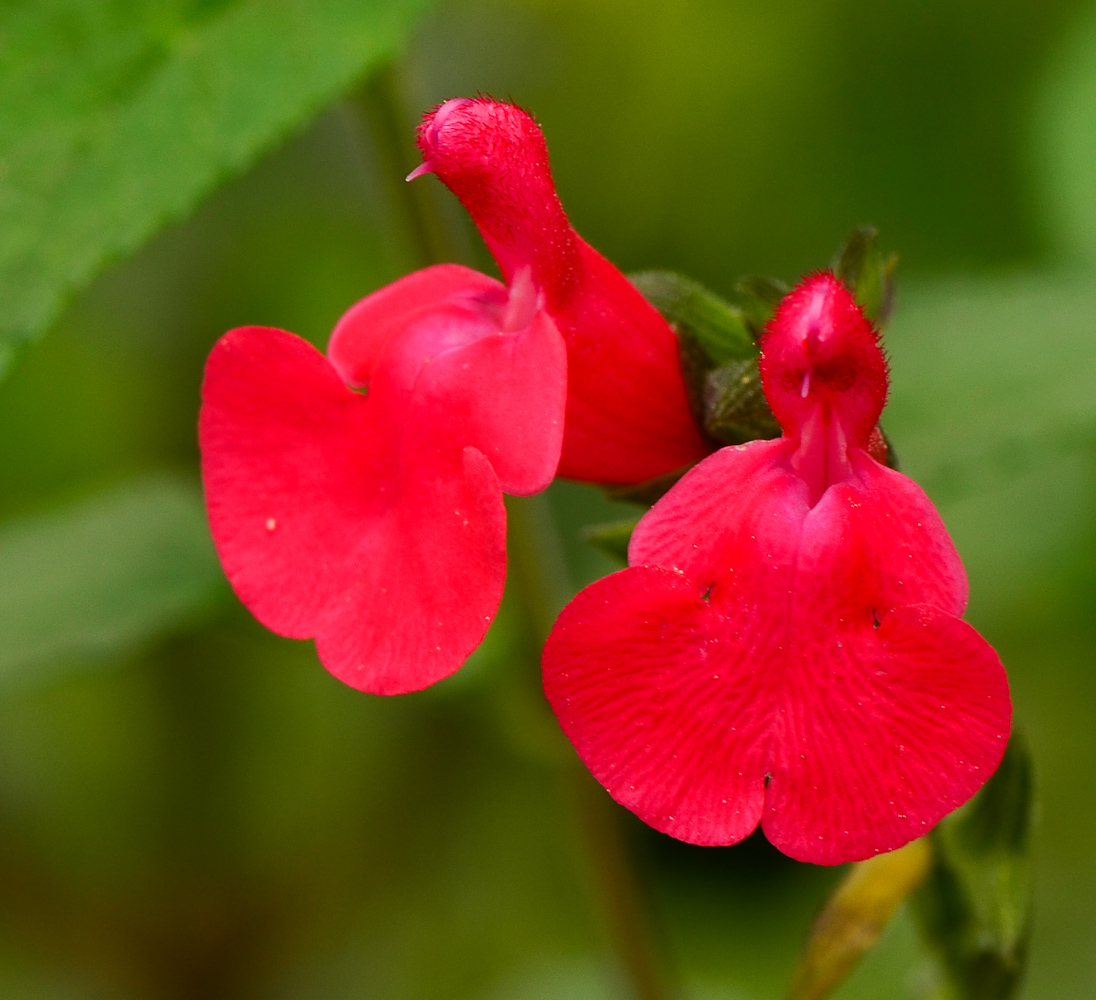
758 298
718 349
713 325
868 273
974 910
612 537
735 409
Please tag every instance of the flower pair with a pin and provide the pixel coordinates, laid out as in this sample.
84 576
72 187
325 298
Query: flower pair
786 647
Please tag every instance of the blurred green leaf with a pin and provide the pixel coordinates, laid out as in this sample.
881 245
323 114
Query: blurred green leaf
854 916
647 493
103 575
975 907
992 410
117 118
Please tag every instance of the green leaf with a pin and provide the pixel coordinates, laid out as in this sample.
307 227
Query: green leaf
118 116
103 575
854 916
975 908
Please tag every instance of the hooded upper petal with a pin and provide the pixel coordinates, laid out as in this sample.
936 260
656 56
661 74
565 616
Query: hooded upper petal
628 417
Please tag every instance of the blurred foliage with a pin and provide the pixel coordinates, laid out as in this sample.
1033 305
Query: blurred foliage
117 117
612 537
215 816
103 576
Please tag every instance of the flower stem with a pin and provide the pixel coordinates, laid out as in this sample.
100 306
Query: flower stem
540 572
379 102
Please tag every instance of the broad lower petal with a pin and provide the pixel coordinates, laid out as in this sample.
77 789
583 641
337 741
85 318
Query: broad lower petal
333 524
882 732
848 743
669 716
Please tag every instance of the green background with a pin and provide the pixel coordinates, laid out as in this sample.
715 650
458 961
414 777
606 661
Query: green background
189 805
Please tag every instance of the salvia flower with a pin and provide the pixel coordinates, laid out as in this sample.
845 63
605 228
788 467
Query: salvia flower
786 647
628 416
373 520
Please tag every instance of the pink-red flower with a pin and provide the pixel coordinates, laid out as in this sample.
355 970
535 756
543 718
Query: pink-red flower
373 520
628 415
786 647
356 498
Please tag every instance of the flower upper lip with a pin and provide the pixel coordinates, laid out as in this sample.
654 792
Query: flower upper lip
432 135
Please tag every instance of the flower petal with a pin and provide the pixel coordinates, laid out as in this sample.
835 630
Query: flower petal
881 733
360 336
334 522
426 581
628 416
504 394
741 520
854 742
875 542
670 719
722 504
743 649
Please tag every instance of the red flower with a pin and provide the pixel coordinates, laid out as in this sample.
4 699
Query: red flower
628 416
374 521
786 647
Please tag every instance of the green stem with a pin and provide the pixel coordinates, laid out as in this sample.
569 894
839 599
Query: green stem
380 105
538 568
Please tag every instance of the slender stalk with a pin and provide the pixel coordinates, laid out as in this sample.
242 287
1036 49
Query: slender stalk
380 105
538 568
